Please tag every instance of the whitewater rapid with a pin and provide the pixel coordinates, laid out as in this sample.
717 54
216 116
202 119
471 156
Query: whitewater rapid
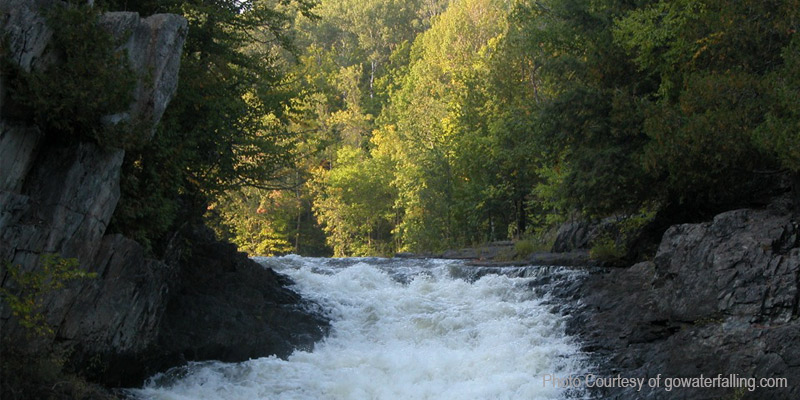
401 329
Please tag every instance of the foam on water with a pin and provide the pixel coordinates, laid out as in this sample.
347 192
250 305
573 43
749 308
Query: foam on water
401 329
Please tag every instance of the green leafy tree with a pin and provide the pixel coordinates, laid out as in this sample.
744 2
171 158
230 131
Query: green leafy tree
422 125
252 221
780 131
713 60
589 122
355 203
28 290
367 33
349 59
226 127
465 119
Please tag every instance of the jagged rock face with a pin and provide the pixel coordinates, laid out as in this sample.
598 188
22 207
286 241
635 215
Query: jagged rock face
129 297
743 263
18 145
212 304
580 235
27 32
719 298
27 37
574 236
139 316
155 64
59 198
153 46
71 193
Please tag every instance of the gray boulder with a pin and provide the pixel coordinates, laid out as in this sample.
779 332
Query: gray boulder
719 298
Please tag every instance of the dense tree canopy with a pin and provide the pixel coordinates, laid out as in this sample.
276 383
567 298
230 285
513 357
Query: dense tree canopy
226 128
376 126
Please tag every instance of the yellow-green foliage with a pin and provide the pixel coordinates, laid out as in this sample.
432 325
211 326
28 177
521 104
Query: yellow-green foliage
249 218
354 201
524 248
610 249
631 224
32 287
541 241
606 249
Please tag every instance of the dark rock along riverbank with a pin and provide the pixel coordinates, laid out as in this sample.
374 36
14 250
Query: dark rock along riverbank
719 298
204 300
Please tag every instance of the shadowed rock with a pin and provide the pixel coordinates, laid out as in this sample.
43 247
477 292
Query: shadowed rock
140 315
720 298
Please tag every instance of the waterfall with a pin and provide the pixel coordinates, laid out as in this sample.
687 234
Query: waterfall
404 329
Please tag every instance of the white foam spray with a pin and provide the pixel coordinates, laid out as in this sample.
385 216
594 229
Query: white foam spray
401 329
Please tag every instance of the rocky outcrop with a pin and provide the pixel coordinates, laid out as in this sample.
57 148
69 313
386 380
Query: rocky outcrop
155 64
719 298
210 302
71 193
153 46
576 235
26 32
111 321
18 146
59 198
139 315
227 307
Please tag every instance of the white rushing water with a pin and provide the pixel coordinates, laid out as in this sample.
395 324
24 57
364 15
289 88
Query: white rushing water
401 329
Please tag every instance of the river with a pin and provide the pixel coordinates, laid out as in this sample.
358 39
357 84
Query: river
403 329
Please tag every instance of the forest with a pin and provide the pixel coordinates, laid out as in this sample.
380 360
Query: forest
370 127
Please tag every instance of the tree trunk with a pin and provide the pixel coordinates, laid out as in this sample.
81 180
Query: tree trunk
522 221
372 79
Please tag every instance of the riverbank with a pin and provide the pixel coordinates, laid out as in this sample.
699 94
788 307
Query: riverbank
718 300
498 254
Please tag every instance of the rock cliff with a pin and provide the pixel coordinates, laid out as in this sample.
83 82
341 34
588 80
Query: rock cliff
719 298
139 315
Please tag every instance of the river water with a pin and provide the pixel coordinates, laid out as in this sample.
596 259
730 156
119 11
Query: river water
403 329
